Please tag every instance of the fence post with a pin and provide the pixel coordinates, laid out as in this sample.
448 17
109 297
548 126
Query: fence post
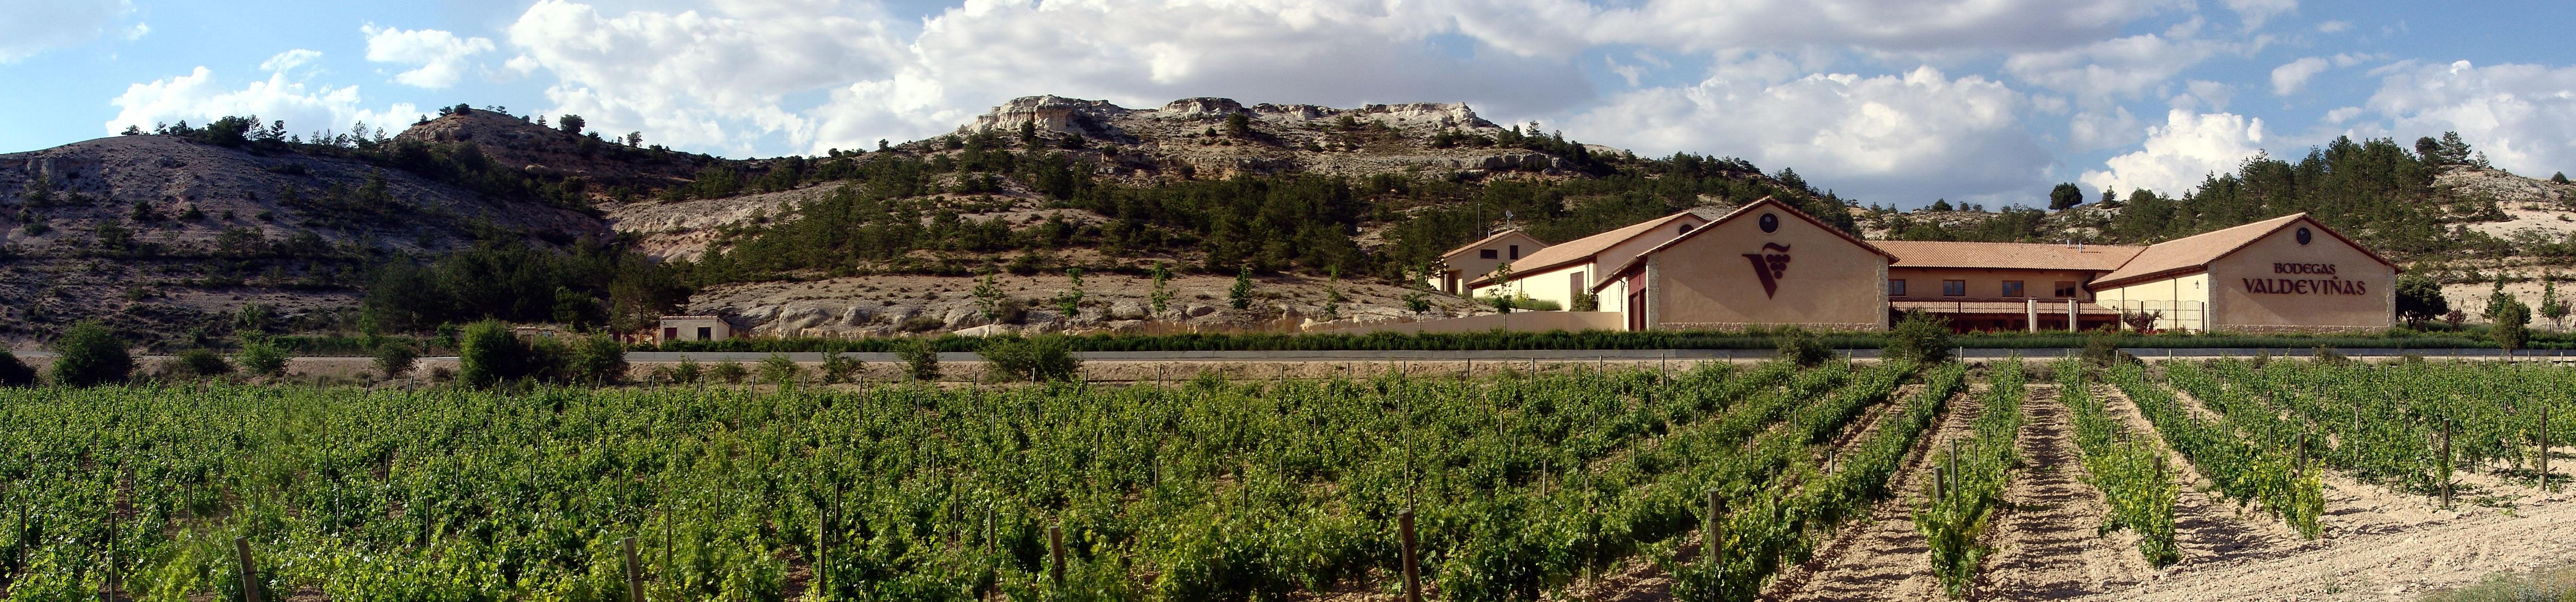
1715 534
1412 571
2544 448
249 571
2446 463
634 574
1055 551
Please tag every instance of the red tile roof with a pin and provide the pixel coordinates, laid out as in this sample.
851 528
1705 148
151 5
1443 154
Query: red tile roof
1583 249
2193 253
1640 259
2033 256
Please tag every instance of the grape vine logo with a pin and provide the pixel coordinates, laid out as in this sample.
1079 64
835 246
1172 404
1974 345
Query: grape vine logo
1770 266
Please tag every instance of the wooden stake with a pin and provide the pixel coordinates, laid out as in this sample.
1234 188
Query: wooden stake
249 571
2446 463
1055 550
1716 532
634 573
2544 448
1412 571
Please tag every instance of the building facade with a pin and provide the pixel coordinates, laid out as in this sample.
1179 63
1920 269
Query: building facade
1564 274
1768 264
1477 259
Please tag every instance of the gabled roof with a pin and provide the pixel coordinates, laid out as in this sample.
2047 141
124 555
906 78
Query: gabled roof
1489 240
2193 253
2006 255
1583 249
1612 275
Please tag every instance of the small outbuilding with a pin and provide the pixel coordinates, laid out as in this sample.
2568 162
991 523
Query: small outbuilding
694 328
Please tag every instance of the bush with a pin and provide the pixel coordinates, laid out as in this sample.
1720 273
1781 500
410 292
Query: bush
2103 349
920 359
395 359
595 359
1042 358
729 372
14 372
688 372
259 357
1803 347
1920 337
839 368
487 354
197 363
778 370
89 354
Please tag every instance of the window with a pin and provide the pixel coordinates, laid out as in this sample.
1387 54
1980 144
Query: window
1954 288
1516 251
706 333
1574 284
1486 254
670 333
1896 287
1685 229
2065 289
2012 288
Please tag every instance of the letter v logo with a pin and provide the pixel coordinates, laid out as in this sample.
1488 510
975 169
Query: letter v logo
1770 267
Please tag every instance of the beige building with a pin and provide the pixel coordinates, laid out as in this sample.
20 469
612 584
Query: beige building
1478 258
1561 273
1769 264
2287 273
694 328
1766 263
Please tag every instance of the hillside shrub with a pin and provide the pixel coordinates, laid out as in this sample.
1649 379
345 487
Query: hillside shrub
778 370
394 359
89 355
920 359
1919 337
595 359
838 368
729 372
487 354
197 363
1804 347
260 357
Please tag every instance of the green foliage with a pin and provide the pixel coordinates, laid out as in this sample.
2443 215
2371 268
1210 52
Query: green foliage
729 371
1240 295
920 359
2419 299
1803 347
488 354
571 124
260 357
394 358
593 359
838 368
2130 474
1068 303
507 279
1919 337
780 371
2065 196
13 371
2512 325
1968 482
252 317
198 362
2248 453
1040 358
1417 302
988 297
1161 299
89 354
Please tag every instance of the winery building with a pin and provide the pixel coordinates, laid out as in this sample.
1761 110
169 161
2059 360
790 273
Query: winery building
1769 264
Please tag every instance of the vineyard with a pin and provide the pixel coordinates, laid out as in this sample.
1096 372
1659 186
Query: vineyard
1721 482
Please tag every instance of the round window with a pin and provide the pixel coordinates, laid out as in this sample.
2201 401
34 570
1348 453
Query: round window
2304 236
1771 223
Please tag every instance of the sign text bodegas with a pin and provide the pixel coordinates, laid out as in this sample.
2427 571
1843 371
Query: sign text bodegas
2330 285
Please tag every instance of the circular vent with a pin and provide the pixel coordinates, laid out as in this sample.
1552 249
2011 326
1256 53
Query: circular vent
1771 223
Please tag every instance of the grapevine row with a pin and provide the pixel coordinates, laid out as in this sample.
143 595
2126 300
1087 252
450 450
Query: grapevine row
1960 502
2130 474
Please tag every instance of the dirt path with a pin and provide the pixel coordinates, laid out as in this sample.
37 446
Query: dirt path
2393 561
2046 547
1882 556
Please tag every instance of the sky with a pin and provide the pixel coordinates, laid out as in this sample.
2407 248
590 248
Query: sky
1896 102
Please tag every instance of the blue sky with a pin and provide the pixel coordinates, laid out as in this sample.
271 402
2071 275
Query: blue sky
1888 101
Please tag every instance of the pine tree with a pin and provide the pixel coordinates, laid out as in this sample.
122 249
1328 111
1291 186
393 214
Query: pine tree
1241 294
2550 306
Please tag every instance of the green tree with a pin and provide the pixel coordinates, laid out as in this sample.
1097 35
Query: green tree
1161 298
198 363
988 296
920 358
1941 205
780 371
2419 299
595 359
1803 347
2550 305
2065 196
571 124
1241 294
2497 300
259 356
488 354
394 358
1068 303
89 354
1238 124
252 317
2512 325
1040 358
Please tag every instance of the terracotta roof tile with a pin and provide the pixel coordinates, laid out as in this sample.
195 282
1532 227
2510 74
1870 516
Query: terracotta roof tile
2196 250
2036 256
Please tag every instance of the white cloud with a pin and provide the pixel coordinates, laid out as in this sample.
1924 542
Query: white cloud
2256 12
2115 68
1901 138
289 60
2091 130
1905 25
197 97
440 57
34 26
2522 116
2181 153
2292 77
2334 26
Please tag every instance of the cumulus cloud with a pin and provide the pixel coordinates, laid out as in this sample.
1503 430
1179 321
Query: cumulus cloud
2292 77
289 60
2179 154
1905 25
2096 130
199 97
34 26
2256 12
2116 68
440 58
1894 138
2522 116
